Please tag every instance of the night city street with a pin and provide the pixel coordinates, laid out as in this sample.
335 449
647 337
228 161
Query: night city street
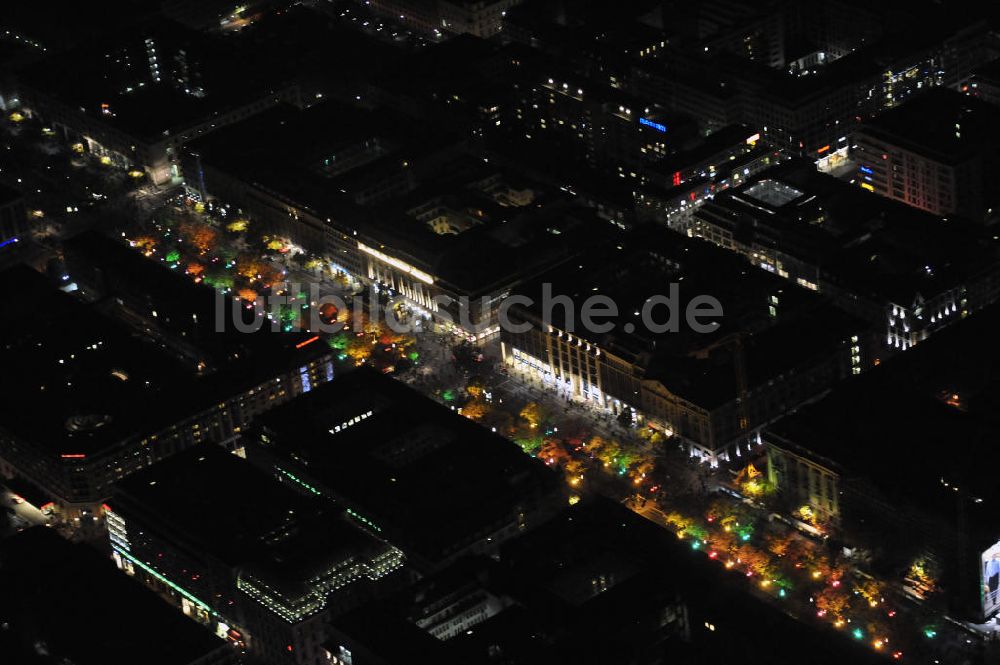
481 332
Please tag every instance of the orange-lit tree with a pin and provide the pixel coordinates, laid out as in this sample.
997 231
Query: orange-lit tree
201 236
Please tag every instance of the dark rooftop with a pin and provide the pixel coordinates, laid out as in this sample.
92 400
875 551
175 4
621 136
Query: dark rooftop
88 381
112 80
989 72
31 25
293 155
270 531
941 124
871 246
382 448
555 613
291 151
919 424
805 326
186 492
84 381
8 194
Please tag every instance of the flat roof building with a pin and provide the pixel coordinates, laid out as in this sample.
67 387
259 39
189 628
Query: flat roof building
137 97
107 388
907 271
411 212
431 482
899 461
805 88
769 346
438 18
596 584
937 153
984 83
260 564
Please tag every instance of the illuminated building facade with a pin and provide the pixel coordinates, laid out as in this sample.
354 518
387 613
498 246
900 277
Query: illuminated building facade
268 577
804 479
894 266
936 153
807 104
415 216
113 401
711 390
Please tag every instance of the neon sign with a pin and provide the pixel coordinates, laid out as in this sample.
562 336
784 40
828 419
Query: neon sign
655 125
307 342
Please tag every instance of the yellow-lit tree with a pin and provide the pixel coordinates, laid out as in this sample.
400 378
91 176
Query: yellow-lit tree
145 244
871 590
476 409
535 414
832 602
924 575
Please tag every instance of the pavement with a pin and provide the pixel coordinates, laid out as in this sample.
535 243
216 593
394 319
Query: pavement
43 174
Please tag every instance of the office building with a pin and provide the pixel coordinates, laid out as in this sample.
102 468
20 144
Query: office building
112 386
772 346
906 271
597 584
936 153
134 101
984 83
593 122
412 213
429 481
261 565
482 18
898 462
836 72
591 39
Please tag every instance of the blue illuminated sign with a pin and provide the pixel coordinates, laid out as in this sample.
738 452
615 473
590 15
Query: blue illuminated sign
655 125
9 241
865 169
